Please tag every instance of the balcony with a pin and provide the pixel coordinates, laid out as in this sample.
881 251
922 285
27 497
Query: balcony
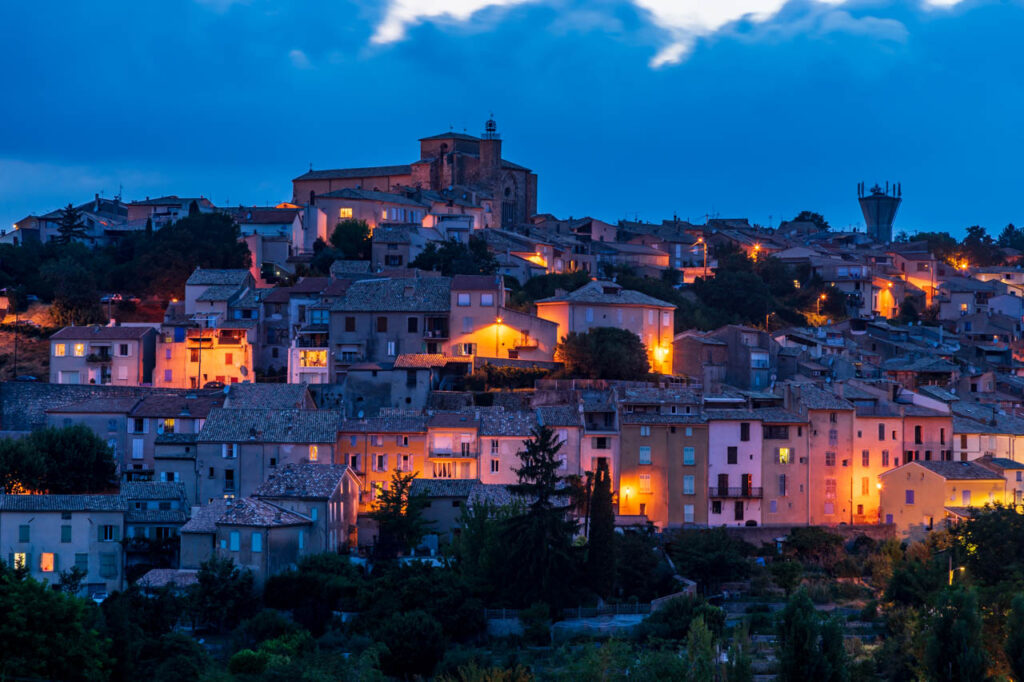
735 493
435 334
98 357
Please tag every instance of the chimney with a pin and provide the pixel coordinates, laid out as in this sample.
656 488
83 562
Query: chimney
96 203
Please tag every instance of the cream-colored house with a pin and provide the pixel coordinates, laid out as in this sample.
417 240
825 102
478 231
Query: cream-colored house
919 496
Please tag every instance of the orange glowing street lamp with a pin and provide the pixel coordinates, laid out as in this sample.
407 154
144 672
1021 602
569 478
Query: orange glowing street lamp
820 299
497 331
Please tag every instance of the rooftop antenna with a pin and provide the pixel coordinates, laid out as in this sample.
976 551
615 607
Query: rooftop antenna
310 165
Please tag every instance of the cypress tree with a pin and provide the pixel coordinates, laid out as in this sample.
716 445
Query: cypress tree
601 545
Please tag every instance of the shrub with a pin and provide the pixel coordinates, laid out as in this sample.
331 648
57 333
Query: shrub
536 622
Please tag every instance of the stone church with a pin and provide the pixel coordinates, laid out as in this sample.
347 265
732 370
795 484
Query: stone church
449 161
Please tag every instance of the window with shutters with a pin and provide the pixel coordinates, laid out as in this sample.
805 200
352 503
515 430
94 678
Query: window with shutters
745 431
645 431
830 459
495 466
881 432
830 488
732 455
784 456
257 542
65 533
688 456
782 485
885 458
864 485
687 513
234 540
644 481
494 446
82 561
865 458
108 564
689 485
644 455
24 533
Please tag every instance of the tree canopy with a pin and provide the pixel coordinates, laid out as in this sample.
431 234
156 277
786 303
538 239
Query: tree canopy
351 239
603 353
60 461
455 258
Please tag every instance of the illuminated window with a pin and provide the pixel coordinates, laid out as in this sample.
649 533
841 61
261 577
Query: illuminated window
20 558
784 456
345 212
46 562
59 350
645 483
314 453
79 350
168 426
313 358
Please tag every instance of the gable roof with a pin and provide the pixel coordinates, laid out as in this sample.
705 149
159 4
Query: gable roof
250 511
278 396
303 481
372 195
210 277
595 292
959 471
268 425
98 333
63 503
420 294
367 172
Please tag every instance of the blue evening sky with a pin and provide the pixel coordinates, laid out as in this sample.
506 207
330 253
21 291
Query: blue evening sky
649 108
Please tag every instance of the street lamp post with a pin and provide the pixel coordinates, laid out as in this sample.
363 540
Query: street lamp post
704 246
497 331
820 299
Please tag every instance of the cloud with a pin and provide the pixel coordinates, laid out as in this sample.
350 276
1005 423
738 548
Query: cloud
401 14
681 23
299 59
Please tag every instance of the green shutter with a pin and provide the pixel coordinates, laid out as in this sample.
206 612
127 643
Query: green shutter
56 562
117 533
99 533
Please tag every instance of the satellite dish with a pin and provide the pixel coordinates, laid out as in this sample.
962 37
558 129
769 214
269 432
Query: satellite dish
360 415
160 429
244 370
227 389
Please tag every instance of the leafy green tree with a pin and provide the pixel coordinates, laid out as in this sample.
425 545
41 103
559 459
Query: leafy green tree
735 295
134 623
546 286
313 591
812 217
415 643
799 642
787 575
474 673
222 595
71 579
601 557
939 244
954 649
908 313
604 353
71 226
815 546
672 620
1014 646
75 295
978 248
455 258
710 557
399 516
351 238
149 228
47 634
700 652
75 460
479 549
539 541
21 468
645 575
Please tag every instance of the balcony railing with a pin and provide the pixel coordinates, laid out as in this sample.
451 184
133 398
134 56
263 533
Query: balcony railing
741 492
98 357
435 334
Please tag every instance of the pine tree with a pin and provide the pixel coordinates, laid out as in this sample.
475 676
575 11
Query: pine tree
833 651
399 516
739 667
149 227
601 545
71 225
541 564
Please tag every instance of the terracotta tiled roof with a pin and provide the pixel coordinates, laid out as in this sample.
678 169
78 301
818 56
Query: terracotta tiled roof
213 277
443 487
204 518
558 415
401 424
594 292
271 426
63 503
502 423
97 333
196 404
458 420
421 294
959 471
252 512
279 396
368 172
303 481
121 405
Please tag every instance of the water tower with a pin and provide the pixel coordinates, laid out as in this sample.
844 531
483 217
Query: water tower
879 207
